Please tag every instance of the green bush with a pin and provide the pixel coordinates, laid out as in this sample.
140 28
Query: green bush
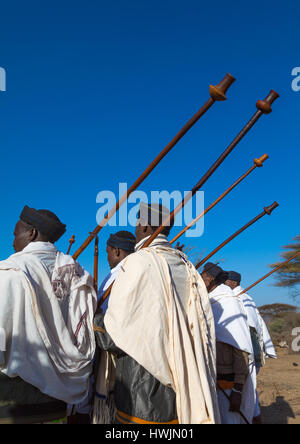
277 326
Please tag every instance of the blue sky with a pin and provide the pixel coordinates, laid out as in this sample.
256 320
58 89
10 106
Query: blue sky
96 89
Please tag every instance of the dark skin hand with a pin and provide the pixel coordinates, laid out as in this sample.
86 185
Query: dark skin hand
236 399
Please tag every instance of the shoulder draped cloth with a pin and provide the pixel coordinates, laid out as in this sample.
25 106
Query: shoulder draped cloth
232 328
175 343
48 322
256 321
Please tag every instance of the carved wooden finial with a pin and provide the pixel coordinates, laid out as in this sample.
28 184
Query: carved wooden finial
259 162
265 105
218 92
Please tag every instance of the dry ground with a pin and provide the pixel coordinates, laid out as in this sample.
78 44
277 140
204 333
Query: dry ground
279 389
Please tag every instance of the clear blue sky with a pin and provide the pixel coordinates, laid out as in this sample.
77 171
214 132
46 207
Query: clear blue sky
96 89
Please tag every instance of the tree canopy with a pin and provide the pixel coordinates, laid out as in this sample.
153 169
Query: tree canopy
274 309
289 275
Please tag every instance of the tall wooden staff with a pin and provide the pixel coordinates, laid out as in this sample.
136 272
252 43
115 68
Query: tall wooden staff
96 263
258 163
271 272
263 107
267 210
71 242
217 93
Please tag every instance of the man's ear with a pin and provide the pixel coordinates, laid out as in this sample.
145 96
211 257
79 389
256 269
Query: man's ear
118 252
145 228
32 234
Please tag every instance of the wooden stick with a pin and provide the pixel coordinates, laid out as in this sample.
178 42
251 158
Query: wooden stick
269 274
257 163
217 93
71 242
263 107
267 210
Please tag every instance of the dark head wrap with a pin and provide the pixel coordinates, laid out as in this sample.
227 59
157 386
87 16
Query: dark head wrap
213 269
223 276
234 276
123 240
46 222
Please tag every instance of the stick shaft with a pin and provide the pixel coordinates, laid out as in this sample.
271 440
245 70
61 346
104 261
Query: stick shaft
229 239
270 273
211 206
267 210
209 173
71 242
96 263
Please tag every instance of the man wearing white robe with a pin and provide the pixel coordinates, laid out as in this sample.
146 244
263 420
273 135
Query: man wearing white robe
235 362
160 322
256 321
95 406
261 340
119 246
47 304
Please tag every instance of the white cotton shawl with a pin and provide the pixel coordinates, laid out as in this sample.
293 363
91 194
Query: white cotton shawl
268 347
230 319
176 344
110 278
48 321
256 321
232 328
2 340
251 310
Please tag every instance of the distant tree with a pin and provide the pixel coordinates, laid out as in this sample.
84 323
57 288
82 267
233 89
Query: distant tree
289 275
281 319
275 309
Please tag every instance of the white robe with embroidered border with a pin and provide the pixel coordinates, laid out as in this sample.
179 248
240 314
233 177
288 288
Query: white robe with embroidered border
232 328
175 343
48 321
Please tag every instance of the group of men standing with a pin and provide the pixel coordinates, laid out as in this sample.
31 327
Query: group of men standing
168 346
